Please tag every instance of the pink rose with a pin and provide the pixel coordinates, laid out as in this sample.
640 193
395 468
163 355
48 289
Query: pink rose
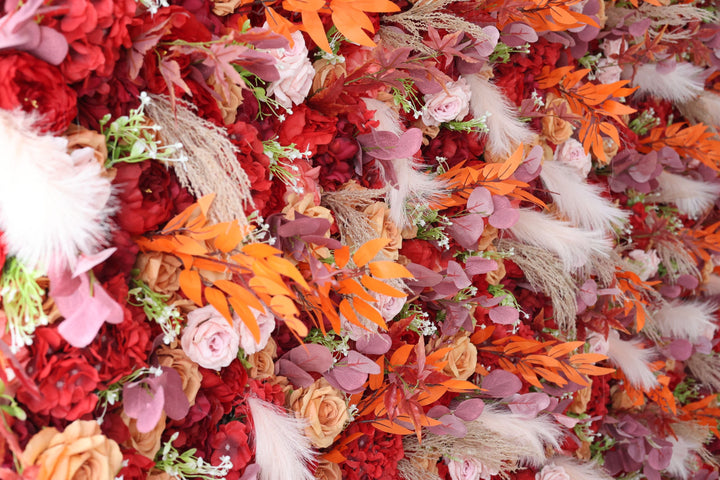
572 153
469 469
598 344
645 264
389 306
209 340
451 103
266 322
296 73
552 472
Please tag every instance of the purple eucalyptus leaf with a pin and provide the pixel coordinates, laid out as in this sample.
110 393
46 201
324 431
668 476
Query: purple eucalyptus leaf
437 411
651 474
446 288
504 218
457 316
688 281
303 225
359 362
423 276
504 315
588 292
296 375
636 450
467 230
529 405
321 240
311 357
480 201
458 276
479 265
346 379
176 403
516 34
531 166
451 425
565 421
143 404
681 349
500 383
638 28
470 409
374 344
659 457
670 291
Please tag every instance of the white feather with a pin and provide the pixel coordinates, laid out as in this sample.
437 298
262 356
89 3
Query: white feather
633 360
681 85
578 200
414 187
689 320
684 461
691 197
578 470
532 433
712 285
282 451
505 130
53 205
575 246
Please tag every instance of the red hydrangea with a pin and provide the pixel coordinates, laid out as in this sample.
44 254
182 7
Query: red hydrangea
33 85
372 456
3 252
232 439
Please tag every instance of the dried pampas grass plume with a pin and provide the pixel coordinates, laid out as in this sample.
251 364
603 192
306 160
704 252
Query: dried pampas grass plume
545 273
574 246
498 438
689 320
682 85
579 201
670 20
282 451
688 449
578 470
703 109
347 205
414 188
505 130
691 197
706 368
54 205
213 166
633 360
672 252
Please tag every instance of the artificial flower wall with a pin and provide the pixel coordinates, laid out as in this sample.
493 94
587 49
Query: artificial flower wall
359 239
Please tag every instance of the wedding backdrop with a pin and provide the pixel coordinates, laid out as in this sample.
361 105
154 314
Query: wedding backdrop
359 239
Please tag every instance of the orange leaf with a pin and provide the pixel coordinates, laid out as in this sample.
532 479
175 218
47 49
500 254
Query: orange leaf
528 375
386 269
246 316
551 376
241 293
386 425
349 313
217 299
564 348
268 286
209 264
482 334
191 286
231 238
285 267
400 356
456 385
369 250
260 250
279 24
381 287
314 27
352 23
287 310
375 380
369 312
350 286
189 246
594 369
342 256
432 394
587 358
179 220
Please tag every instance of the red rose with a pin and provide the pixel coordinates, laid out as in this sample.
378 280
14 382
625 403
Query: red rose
135 466
307 129
227 386
31 84
147 194
232 439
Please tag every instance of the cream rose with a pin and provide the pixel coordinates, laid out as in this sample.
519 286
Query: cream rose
266 322
81 452
160 271
325 410
645 264
572 153
451 103
296 73
209 340
552 472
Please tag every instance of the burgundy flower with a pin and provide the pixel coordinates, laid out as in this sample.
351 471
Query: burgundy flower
135 466
34 85
307 129
227 386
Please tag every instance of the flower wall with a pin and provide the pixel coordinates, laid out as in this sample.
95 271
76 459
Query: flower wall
442 239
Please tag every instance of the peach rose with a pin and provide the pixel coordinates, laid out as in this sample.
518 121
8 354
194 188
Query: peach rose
325 410
451 103
209 340
462 359
328 471
554 128
159 271
580 400
80 137
81 452
225 7
262 364
326 73
379 218
188 370
146 444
